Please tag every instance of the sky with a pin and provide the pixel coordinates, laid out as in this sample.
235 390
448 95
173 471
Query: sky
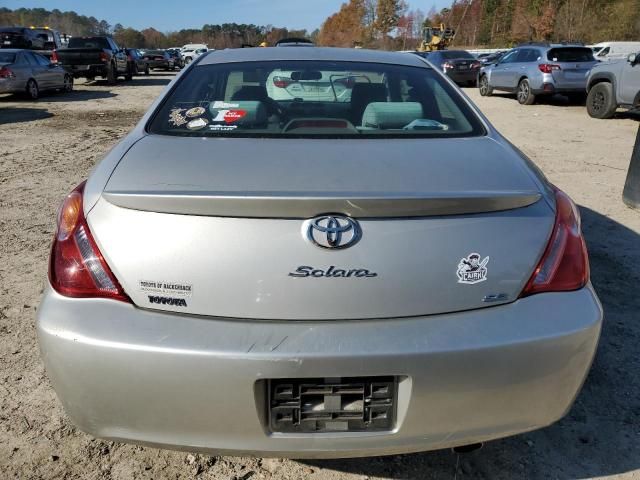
168 15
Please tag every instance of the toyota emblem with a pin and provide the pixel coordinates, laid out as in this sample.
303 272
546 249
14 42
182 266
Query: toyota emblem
333 231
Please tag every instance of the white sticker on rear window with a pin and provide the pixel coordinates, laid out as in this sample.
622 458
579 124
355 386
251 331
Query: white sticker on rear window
222 128
472 269
161 287
219 105
176 117
197 124
195 112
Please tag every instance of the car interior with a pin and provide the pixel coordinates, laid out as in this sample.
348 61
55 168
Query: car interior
319 99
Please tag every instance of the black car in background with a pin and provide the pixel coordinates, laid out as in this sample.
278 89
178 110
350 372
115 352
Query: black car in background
21 37
92 57
136 61
159 59
52 42
177 57
490 58
459 65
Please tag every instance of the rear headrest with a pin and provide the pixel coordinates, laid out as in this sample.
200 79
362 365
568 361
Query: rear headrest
390 115
251 113
369 92
250 92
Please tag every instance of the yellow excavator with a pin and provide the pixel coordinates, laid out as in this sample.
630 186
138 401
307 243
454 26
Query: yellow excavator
436 38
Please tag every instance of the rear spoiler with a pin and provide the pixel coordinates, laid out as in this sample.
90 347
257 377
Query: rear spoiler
274 205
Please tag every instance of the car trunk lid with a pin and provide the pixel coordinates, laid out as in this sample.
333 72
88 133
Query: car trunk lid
225 227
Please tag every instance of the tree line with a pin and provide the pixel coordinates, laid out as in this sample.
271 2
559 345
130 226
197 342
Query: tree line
391 24
227 35
384 24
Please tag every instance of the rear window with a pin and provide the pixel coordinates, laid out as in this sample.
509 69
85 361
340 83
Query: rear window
90 42
453 54
580 54
6 57
314 99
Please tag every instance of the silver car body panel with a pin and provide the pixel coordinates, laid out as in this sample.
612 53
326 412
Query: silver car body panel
195 383
239 267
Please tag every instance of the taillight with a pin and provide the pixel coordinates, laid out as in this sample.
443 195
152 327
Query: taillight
548 67
565 263
476 64
104 57
76 266
6 73
446 65
54 57
281 82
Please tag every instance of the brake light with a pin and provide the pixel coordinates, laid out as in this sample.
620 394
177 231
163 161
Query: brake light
6 73
104 57
54 57
76 267
565 263
281 82
548 67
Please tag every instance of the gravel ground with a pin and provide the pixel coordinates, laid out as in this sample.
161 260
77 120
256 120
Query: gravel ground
49 146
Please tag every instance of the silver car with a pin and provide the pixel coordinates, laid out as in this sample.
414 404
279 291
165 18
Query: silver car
539 69
309 278
24 71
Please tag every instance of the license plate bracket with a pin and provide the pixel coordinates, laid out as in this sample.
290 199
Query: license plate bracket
346 404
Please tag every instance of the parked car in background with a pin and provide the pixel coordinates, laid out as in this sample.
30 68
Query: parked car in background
176 55
194 46
459 65
159 59
537 69
612 85
52 42
25 71
190 54
489 58
605 51
92 57
308 282
21 37
136 61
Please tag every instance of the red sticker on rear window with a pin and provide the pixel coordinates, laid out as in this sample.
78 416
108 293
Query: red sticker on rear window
234 115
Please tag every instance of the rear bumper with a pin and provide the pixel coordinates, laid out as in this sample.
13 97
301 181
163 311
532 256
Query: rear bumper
12 85
195 383
463 76
78 71
548 85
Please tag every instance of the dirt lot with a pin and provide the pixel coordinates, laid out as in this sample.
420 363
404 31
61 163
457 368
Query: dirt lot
49 146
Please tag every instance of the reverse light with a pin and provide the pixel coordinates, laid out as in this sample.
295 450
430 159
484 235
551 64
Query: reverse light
548 67
565 263
76 267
